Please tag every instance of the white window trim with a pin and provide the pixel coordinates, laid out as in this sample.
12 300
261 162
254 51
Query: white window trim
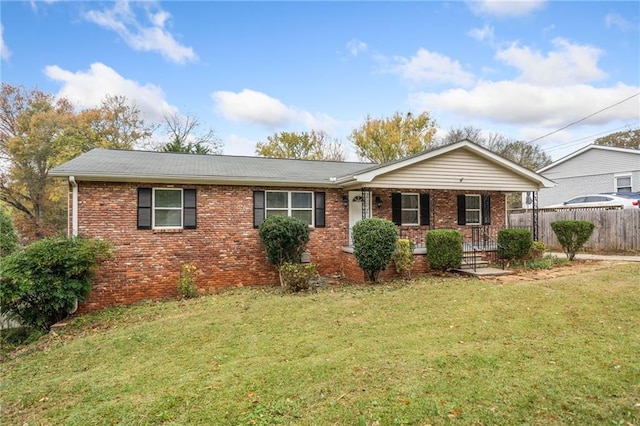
625 175
153 209
479 209
289 208
417 209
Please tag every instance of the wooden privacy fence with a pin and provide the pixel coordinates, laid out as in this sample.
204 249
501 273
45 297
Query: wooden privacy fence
615 231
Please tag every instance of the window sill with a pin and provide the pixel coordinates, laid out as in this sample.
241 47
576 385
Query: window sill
167 231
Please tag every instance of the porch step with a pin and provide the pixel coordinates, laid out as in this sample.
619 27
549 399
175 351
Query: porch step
484 272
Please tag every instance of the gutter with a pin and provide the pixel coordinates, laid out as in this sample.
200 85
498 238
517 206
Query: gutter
74 206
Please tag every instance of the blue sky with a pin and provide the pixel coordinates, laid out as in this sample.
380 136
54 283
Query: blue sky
250 69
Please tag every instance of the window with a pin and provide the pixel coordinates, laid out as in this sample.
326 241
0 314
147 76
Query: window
166 208
472 210
285 203
410 209
410 206
623 183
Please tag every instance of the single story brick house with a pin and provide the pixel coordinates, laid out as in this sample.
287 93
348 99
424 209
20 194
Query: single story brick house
164 210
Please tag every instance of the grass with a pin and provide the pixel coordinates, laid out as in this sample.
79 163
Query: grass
433 351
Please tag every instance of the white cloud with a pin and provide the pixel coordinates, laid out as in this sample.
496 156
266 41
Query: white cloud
615 20
503 8
150 38
88 89
237 145
517 103
5 53
568 64
482 34
254 107
356 46
431 67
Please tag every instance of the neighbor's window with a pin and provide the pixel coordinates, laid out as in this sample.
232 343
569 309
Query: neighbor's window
167 208
623 183
290 203
473 209
410 206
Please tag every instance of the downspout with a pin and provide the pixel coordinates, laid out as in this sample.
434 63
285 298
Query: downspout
74 206
74 223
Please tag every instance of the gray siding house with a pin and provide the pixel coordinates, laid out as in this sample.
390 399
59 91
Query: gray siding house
592 169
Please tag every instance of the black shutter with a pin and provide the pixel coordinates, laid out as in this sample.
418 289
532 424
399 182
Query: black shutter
424 209
462 210
144 208
319 209
258 208
189 208
486 209
396 208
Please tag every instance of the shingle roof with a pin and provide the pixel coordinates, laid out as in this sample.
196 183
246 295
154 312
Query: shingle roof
107 164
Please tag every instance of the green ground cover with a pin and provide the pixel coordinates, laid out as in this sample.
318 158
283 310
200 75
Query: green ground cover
431 351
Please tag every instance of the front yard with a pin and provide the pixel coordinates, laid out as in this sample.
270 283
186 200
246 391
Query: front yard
562 349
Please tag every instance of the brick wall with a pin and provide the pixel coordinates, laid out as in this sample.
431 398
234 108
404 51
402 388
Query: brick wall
224 247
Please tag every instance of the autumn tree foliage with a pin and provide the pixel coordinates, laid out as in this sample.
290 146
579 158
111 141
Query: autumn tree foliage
38 132
313 145
380 140
627 139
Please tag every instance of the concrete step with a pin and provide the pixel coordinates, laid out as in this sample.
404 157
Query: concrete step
484 272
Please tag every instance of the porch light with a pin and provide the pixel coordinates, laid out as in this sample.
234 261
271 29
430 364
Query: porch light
378 201
345 201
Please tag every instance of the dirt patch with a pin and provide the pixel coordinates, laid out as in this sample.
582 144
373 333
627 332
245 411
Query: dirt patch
574 268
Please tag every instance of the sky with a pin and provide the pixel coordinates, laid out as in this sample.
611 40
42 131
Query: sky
524 69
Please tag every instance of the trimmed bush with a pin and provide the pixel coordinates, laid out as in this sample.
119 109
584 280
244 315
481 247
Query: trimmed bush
403 257
572 234
514 244
41 284
374 242
537 250
444 249
187 282
297 276
8 234
284 238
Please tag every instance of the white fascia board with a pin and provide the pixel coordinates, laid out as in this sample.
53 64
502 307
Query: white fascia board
588 148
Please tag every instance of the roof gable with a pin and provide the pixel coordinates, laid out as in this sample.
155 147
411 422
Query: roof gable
587 149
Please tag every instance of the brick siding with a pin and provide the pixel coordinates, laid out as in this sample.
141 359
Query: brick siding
225 247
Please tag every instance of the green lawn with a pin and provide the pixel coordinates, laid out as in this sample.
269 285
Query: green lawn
433 351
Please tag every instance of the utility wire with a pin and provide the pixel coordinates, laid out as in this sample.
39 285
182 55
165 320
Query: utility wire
577 141
583 119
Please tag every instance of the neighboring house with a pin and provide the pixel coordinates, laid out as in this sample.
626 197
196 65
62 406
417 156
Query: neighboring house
591 170
164 210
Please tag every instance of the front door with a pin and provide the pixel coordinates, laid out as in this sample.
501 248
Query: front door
356 212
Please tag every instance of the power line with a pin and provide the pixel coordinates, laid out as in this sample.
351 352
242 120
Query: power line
576 141
583 119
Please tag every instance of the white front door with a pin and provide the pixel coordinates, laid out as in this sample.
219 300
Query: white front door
356 200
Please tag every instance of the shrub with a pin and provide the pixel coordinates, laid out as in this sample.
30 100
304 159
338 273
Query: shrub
297 276
187 282
8 234
374 242
537 250
572 234
284 238
41 284
403 258
514 244
444 249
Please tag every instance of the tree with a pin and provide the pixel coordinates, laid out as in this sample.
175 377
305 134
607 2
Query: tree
387 139
314 145
8 235
628 139
39 132
116 123
183 135
526 155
